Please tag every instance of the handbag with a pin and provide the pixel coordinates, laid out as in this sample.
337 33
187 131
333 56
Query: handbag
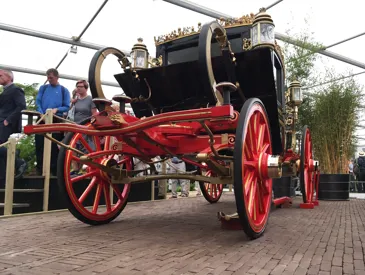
71 113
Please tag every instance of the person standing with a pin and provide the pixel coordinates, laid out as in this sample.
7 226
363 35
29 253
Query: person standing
84 108
352 177
56 97
361 179
12 102
179 166
84 105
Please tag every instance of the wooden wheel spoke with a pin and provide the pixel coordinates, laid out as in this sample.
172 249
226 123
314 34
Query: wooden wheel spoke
124 160
86 144
247 153
73 157
260 137
252 138
264 187
251 164
248 182
97 198
88 190
210 189
262 192
251 198
215 191
84 176
97 143
117 191
106 188
265 147
107 142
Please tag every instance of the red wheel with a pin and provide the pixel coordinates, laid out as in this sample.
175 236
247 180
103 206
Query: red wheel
306 167
91 197
252 190
211 192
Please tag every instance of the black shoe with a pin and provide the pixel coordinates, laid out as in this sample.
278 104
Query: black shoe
20 171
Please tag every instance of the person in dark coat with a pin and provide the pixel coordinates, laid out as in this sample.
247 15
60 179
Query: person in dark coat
12 102
361 180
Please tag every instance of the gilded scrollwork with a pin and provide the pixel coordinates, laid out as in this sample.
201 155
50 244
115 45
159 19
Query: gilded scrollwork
181 32
280 52
246 44
117 119
232 22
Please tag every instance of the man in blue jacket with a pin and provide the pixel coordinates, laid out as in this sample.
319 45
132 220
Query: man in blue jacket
56 97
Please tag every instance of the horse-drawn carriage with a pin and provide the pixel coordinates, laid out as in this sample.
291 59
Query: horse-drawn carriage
215 97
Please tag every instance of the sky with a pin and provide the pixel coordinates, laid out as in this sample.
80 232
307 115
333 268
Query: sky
121 22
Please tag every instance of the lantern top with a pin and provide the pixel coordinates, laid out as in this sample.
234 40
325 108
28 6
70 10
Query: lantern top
139 45
294 83
262 16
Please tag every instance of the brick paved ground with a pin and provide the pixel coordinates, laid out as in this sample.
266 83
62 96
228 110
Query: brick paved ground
184 237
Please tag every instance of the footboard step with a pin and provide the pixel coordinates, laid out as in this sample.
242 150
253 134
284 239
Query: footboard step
230 222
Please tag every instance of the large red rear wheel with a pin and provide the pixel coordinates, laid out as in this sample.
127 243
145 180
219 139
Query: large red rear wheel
252 191
306 167
90 195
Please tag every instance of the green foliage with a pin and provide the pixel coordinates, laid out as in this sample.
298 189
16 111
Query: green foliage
30 92
332 115
26 146
300 58
330 111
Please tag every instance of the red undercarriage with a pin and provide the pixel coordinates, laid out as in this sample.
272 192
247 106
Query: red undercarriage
184 133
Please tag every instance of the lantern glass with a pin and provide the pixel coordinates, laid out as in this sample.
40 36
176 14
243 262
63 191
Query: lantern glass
296 95
139 58
254 35
267 33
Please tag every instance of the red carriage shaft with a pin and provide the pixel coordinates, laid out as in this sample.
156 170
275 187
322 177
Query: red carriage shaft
220 112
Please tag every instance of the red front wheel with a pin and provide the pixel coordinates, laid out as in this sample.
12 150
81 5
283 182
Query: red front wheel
90 195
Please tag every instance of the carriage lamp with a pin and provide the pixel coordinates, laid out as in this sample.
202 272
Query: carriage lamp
295 91
139 55
296 97
263 29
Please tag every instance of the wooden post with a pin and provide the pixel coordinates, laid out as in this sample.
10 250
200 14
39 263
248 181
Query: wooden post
47 161
152 190
9 181
164 181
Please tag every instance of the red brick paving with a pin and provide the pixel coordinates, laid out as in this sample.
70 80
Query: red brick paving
184 237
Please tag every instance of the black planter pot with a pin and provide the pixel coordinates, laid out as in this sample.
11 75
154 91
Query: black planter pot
283 187
334 187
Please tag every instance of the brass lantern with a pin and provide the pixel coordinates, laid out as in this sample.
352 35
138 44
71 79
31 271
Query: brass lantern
139 55
263 29
295 91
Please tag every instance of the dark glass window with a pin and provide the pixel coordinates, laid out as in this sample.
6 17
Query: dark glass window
279 79
191 53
